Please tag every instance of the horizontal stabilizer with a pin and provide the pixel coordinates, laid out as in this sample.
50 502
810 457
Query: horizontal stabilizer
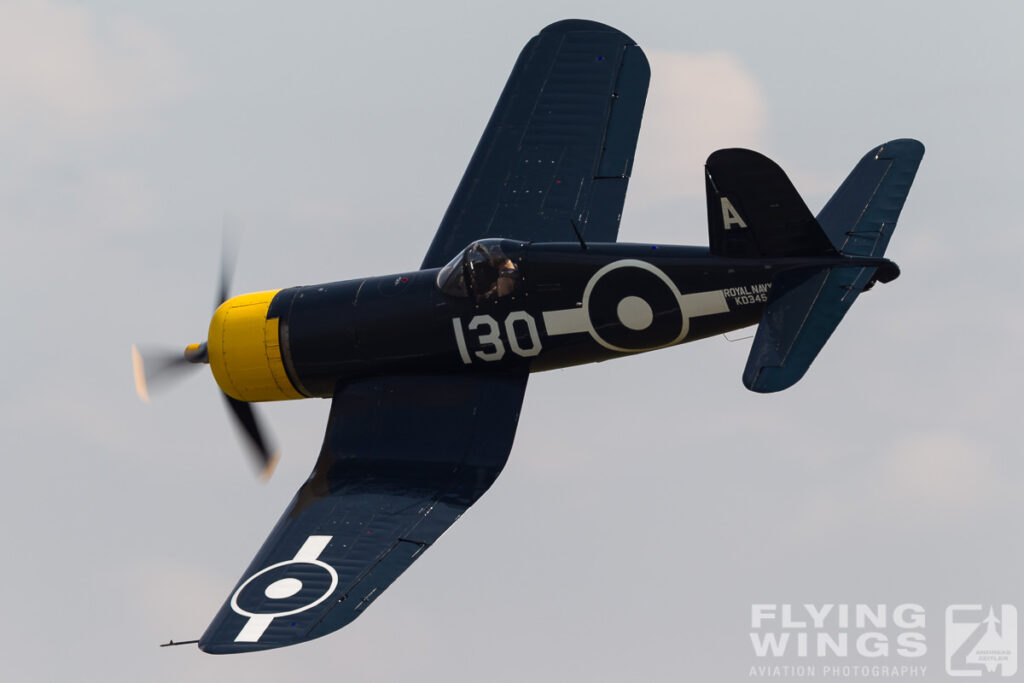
804 306
860 217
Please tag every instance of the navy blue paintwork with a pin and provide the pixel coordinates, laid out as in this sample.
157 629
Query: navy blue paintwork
406 453
427 369
861 215
807 305
770 218
403 457
558 147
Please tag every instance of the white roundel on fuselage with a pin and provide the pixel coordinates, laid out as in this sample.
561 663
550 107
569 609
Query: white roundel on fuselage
632 305
635 313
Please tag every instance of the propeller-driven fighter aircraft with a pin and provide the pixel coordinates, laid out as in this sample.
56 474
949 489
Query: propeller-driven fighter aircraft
426 369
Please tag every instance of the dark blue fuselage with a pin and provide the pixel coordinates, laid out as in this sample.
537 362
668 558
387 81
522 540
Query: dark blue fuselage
566 306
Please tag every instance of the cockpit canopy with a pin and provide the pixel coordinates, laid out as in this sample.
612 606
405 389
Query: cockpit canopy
485 270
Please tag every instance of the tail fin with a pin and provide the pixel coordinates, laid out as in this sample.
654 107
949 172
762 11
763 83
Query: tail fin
754 210
805 305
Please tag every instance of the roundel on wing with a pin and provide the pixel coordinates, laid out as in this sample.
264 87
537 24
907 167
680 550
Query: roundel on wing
285 588
632 306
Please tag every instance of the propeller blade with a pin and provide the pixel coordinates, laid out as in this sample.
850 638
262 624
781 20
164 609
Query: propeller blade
139 370
163 367
228 259
266 457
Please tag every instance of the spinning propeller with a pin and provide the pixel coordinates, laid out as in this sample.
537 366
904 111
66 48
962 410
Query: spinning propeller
162 367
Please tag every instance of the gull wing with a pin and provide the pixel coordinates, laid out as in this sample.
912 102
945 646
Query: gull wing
559 146
403 458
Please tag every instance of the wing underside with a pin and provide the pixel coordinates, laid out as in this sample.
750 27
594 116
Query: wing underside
559 146
403 457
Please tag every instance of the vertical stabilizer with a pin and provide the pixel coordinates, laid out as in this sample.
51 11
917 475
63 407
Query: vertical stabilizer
755 212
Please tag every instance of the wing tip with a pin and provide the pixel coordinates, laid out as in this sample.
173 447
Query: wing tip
570 25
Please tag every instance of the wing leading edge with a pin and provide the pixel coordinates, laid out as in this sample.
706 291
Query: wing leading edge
405 456
559 146
402 459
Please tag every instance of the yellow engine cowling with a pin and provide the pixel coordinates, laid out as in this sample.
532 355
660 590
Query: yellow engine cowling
245 350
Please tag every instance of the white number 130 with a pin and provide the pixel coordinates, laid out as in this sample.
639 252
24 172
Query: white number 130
488 333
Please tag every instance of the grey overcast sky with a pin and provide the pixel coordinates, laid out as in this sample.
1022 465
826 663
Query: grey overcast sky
647 502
